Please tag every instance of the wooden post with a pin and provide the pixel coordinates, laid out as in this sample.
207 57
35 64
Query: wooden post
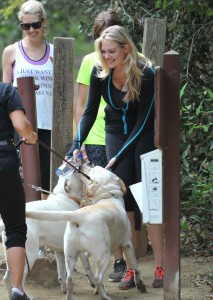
154 40
170 139
63 90
159 106
30 153
153 48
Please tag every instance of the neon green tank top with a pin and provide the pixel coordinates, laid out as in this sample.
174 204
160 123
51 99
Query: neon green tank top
96 135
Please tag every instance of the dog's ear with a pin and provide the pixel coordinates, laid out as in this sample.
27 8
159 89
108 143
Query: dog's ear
67 186
122 186
90 190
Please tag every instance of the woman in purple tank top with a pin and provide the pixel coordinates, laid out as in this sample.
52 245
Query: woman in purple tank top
33 57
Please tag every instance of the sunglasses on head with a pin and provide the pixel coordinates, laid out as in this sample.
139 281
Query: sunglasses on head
35 25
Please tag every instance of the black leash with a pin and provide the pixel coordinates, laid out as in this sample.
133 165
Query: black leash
61 157
74 167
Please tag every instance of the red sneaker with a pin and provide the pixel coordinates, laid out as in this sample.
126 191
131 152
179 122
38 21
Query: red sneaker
159 277
128 281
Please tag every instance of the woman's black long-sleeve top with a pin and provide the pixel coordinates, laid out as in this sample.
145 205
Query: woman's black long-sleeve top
132 118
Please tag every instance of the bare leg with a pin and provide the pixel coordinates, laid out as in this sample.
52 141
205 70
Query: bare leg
118 253
16 262
156 235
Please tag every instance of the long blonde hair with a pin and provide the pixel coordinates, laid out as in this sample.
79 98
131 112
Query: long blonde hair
134 63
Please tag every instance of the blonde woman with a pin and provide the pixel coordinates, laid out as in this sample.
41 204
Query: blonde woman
32 56
126 81
95 141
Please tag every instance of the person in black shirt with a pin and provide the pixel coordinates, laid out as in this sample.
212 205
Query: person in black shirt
125 79
12 200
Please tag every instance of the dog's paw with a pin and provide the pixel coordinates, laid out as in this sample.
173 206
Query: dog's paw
95 292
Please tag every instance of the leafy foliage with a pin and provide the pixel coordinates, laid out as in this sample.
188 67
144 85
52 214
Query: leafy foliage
8 7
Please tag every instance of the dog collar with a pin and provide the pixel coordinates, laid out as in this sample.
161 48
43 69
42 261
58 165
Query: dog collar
75 199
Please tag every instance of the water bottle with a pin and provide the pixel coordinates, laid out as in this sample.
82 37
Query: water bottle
65 169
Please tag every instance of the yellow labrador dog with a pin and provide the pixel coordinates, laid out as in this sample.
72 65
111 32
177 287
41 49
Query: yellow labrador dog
97 229
66 196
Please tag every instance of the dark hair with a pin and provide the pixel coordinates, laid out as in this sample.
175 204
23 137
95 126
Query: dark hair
105 19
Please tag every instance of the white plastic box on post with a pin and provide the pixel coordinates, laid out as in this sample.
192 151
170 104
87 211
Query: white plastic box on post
148 193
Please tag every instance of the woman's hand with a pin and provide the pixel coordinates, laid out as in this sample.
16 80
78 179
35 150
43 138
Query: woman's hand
83 153
32 139
74 152
75 155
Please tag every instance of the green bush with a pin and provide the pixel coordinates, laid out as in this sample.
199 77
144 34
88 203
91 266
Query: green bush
197 164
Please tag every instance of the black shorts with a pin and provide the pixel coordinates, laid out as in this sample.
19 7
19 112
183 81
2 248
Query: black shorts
129 167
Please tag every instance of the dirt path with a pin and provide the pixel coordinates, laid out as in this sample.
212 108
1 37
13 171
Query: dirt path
42 283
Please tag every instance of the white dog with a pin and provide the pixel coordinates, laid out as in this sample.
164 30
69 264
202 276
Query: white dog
98 229
66 196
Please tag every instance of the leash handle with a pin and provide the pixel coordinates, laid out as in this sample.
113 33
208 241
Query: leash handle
20 142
